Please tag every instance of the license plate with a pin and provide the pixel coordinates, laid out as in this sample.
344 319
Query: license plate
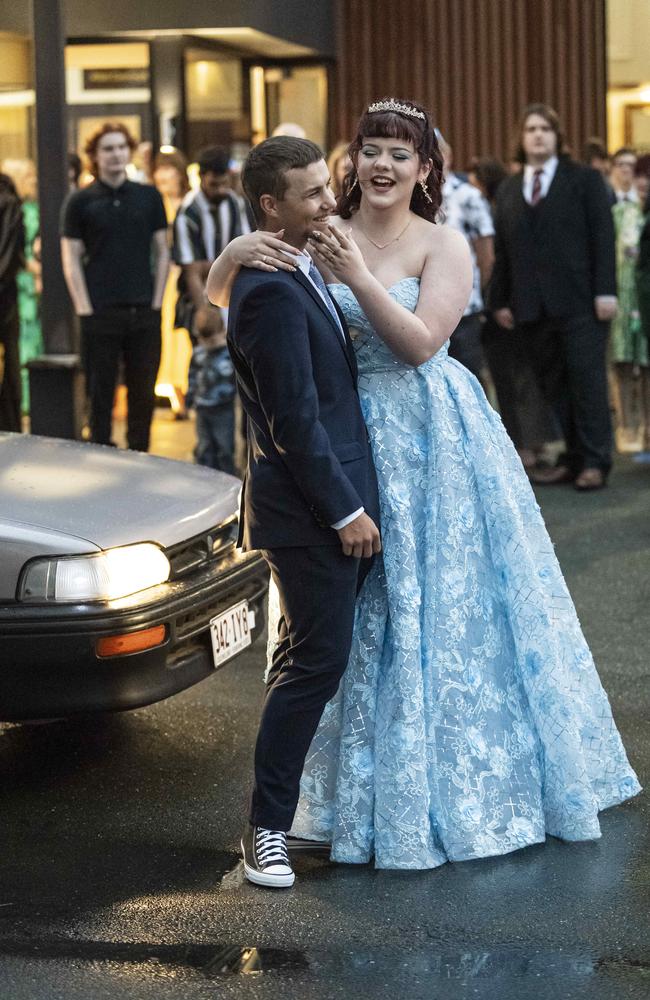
231 632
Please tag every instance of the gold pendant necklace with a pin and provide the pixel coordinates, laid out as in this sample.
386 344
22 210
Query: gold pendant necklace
382 246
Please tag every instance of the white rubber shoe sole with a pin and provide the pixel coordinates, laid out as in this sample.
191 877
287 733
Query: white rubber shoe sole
267 879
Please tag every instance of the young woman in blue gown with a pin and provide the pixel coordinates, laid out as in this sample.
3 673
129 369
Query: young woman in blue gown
471 720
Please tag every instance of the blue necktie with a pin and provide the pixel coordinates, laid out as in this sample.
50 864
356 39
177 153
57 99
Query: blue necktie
317 279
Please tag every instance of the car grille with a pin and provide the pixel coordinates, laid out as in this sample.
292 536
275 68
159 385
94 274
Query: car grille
195 621
193 554
179 656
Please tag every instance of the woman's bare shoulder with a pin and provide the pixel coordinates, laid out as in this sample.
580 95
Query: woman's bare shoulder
437 234
444 241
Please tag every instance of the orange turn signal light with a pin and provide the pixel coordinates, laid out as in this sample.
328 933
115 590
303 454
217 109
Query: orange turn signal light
131 642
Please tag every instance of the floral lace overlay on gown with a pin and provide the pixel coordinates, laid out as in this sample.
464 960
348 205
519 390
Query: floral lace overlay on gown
470 721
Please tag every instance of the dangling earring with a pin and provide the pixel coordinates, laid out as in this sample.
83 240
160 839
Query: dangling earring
425 192
354 184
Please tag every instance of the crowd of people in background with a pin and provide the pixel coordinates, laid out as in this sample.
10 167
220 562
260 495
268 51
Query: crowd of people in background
556 357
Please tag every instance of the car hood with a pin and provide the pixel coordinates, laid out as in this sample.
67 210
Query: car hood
107 496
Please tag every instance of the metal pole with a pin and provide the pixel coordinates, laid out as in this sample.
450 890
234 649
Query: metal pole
167 82
49 73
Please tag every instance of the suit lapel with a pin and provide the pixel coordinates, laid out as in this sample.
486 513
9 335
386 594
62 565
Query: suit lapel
303 280
520 189
348 339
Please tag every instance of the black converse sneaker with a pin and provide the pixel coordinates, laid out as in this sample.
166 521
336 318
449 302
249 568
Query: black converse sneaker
266 861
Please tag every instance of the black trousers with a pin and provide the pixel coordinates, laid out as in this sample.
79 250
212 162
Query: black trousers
525 414
10 383
465 344
318 587
131 335
568 357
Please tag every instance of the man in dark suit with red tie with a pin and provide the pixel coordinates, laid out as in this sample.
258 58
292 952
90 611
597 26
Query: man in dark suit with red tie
554 281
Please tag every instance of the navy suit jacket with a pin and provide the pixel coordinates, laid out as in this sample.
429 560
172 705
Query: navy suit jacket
309 460
553 260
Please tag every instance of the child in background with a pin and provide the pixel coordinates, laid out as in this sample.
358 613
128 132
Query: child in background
211 392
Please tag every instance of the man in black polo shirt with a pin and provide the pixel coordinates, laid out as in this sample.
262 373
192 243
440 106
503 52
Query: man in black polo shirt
115 260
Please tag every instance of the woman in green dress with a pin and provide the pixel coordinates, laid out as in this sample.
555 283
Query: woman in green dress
643 289
23 174
628 344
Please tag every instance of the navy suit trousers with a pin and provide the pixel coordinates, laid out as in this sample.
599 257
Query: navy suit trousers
318 586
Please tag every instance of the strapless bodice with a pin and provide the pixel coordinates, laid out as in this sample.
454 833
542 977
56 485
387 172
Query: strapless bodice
371 352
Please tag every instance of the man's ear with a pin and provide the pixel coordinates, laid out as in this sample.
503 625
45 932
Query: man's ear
268 204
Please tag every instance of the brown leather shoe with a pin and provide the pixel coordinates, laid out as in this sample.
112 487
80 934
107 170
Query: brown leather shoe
590 479
552 476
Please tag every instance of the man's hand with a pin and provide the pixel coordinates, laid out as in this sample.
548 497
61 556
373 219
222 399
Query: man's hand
606 307
360 538
505 318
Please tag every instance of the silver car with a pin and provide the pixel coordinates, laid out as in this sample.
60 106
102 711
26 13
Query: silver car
120 583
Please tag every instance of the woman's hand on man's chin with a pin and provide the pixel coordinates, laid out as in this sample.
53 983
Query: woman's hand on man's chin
339 253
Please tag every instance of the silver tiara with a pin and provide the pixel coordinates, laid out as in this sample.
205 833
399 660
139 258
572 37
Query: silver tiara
392 105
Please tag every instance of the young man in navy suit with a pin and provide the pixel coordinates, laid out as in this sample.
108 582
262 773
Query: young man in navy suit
309 499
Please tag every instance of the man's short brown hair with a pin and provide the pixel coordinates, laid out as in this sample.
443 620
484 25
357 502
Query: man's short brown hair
266 166
90 149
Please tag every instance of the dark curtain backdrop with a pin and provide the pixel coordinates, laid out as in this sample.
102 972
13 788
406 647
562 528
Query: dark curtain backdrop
475 64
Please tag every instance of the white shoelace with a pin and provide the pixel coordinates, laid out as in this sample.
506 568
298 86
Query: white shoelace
271 848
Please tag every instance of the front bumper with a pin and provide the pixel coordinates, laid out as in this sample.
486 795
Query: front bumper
49 667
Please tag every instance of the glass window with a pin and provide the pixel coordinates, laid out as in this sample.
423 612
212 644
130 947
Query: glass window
16 98
214 99
293 94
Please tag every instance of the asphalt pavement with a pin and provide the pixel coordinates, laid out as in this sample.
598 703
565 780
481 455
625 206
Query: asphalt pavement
119 865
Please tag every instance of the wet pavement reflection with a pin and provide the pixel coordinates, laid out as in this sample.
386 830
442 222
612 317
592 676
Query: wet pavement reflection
218 961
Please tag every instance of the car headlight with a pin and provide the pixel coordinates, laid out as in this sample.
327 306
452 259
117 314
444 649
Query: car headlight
104 576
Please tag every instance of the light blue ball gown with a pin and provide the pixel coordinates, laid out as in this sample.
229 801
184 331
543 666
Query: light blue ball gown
471 721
